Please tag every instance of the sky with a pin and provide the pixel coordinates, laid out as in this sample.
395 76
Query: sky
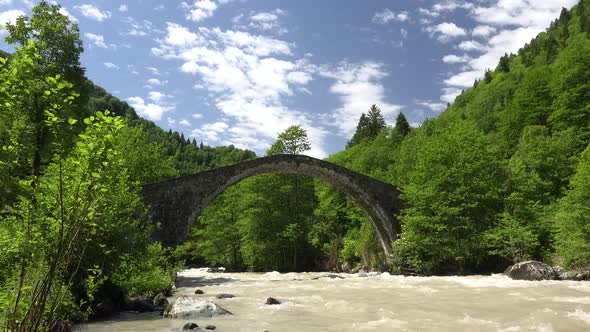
241 71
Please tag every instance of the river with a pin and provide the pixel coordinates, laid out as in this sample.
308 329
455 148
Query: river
376 302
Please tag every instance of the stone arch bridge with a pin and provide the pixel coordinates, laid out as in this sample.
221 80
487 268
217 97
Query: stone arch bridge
177 202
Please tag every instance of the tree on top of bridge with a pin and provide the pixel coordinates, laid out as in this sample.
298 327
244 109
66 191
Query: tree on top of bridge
293 140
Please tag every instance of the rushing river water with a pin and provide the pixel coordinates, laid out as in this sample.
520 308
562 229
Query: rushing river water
377 302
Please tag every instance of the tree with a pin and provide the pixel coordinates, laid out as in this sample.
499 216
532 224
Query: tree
401 125
293 140
57 47
368 126
571 220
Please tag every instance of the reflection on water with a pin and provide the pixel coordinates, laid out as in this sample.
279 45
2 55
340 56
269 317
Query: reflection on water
378 302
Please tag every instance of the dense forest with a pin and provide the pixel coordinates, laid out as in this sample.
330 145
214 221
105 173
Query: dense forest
501 176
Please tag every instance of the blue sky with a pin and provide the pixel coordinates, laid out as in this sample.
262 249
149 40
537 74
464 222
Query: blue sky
241 71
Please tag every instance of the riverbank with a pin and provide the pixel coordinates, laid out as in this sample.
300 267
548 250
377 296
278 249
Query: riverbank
374 302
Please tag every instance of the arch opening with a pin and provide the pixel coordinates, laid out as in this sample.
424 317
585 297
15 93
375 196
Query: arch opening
178 202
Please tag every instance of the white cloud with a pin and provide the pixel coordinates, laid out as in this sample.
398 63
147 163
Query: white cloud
197 116
123 8
433 106
157 97
470 45
111 65
446 31
404 33
139 28
159 7
10 16
451 58
248 77
184 122
451 5
358 87
507 25
386 15
267 21
483 31
524 13
153 70
96 40
92 12
66 13
199 10
155 82
152 111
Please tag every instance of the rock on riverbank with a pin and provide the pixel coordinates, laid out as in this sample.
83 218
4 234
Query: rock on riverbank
190 307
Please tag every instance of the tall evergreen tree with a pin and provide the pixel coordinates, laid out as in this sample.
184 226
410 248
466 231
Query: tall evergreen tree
401 124
369 126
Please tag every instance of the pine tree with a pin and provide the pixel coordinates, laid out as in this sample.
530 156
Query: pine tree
360 133
376 121
401 125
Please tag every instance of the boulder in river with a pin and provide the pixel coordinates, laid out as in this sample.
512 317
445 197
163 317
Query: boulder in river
272 301
190 326
143 305
160 300
190 307
210 327
224 296
199 292
531 270
574 275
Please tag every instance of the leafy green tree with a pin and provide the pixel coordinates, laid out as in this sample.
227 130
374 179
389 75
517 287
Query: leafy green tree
570 87
573 229
452 198
293 140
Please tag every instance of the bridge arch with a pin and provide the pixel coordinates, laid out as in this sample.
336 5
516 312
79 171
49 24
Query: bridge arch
176 203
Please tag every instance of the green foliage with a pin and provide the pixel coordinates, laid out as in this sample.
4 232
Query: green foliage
144 272
511 240
368 126
292 141
401 125
452 196
571 219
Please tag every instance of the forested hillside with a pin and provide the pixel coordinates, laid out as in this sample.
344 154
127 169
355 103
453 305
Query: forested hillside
496 178
74 232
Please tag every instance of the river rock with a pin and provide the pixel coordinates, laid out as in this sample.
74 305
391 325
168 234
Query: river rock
199 292
224 296
530 270
210 327
272 301
190 326
160 300
143 305
190 307
216 269
574 275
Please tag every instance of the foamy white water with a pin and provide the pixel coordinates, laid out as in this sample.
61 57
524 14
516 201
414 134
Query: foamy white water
377 302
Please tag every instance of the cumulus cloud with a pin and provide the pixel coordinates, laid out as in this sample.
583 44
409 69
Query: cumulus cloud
140 28
199 10
433 106
387 15
197 116
266 21
452 58
152 111
123 8
249 79
96 40
9 16
483 31
358 86
504 26
184 122
111 65
446 31
470 45
151 82
93 12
